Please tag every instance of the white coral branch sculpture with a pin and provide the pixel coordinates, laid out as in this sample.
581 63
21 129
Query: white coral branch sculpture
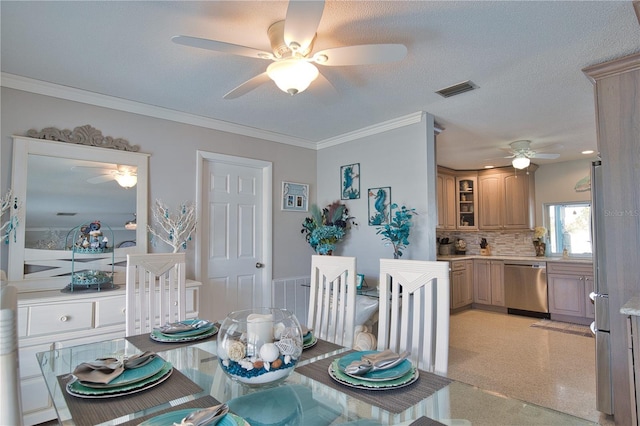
7 203
174 229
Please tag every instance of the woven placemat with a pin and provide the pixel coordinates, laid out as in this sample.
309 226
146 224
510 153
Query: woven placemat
144 343
206 401
426 421
88 411
392 400
320 348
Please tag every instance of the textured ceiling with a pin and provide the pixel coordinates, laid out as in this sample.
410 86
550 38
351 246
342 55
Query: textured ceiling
525 56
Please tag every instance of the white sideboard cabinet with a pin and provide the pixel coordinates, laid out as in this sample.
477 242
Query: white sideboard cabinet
50 320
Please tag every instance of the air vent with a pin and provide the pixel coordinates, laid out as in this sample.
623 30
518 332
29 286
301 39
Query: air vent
66 214
456 89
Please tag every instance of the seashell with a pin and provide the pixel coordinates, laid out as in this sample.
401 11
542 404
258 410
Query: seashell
287 346
246 364
225 362
258 364
277 363
269 352
287 359
277 330
267 366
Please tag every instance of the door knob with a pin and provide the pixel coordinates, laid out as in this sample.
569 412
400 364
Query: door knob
259 265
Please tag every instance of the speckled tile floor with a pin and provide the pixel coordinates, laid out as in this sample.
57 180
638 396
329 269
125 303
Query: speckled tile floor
504 354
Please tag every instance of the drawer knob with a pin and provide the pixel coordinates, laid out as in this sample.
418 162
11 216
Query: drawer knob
64 318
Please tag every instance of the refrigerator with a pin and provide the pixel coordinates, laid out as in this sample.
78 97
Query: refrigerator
600 296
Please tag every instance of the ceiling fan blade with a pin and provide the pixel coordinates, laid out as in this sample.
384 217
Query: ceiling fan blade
248 86
545 156
301 23
101 179
220 46
549 147
323 89
363 54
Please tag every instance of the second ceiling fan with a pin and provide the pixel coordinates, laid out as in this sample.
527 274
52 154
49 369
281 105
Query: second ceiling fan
294 64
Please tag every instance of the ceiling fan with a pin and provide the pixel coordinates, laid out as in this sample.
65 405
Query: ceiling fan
126 176
294 64
522 153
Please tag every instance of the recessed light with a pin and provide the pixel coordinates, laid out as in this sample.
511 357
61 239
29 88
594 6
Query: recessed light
589 151
489 167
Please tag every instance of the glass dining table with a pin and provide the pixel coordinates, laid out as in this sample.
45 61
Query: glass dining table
308 397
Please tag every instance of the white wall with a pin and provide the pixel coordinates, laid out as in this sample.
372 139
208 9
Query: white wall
401 158
556 182
172 165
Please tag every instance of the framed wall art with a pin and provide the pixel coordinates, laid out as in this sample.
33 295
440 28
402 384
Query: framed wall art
295 197
350 181
379 202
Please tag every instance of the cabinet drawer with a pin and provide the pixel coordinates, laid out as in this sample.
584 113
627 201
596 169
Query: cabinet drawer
35 396
569 268
458 265
110 311
60 318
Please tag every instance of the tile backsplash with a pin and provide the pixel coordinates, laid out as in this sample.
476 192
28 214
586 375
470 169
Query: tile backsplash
502 243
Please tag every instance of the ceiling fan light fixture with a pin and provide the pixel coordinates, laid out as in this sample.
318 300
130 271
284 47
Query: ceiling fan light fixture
520 162
132 225
126 179
292 76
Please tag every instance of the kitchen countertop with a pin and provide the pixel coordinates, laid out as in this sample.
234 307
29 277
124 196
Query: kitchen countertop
632 307
526 258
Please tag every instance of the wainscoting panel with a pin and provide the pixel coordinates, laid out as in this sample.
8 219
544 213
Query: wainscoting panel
292 294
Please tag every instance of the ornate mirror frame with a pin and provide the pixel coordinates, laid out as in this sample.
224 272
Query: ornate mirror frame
83 143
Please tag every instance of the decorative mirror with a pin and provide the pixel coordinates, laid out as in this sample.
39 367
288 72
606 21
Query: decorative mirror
66 182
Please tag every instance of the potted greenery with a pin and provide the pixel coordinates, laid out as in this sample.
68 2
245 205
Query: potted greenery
327 227
396 232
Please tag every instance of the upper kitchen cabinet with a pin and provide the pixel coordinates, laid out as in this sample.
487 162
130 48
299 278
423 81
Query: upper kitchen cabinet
506 199
446 186
467 192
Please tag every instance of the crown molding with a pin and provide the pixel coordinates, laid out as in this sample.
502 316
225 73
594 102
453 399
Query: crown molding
395 123
26 84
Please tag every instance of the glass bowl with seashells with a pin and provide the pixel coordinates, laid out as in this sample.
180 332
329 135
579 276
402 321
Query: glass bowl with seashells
259 346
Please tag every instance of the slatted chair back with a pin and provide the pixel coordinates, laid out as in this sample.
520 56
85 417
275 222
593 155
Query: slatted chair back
332 298
155 291
414 311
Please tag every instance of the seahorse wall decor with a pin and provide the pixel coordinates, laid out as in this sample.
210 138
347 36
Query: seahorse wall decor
379 201
350 181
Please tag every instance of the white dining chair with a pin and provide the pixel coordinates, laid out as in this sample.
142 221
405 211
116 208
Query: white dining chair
10 397
414 311
332 298
155 291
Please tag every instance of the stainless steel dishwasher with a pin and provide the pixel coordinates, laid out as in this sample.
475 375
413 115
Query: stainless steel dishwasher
525 288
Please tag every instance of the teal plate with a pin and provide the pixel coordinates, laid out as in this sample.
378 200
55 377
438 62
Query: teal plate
132 375
189 333
340 377
375 376
176 417
75 388
310 342
176 338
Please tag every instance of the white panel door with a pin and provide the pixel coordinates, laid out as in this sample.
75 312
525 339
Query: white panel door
232 210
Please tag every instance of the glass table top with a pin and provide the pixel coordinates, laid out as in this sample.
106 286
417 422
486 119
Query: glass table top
300 399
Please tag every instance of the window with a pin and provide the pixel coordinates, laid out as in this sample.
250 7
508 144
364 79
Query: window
569 228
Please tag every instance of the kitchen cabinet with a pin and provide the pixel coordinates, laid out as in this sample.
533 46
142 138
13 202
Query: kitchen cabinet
52 320
461 281
488 282
466 210
505 199
569 285
446 188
